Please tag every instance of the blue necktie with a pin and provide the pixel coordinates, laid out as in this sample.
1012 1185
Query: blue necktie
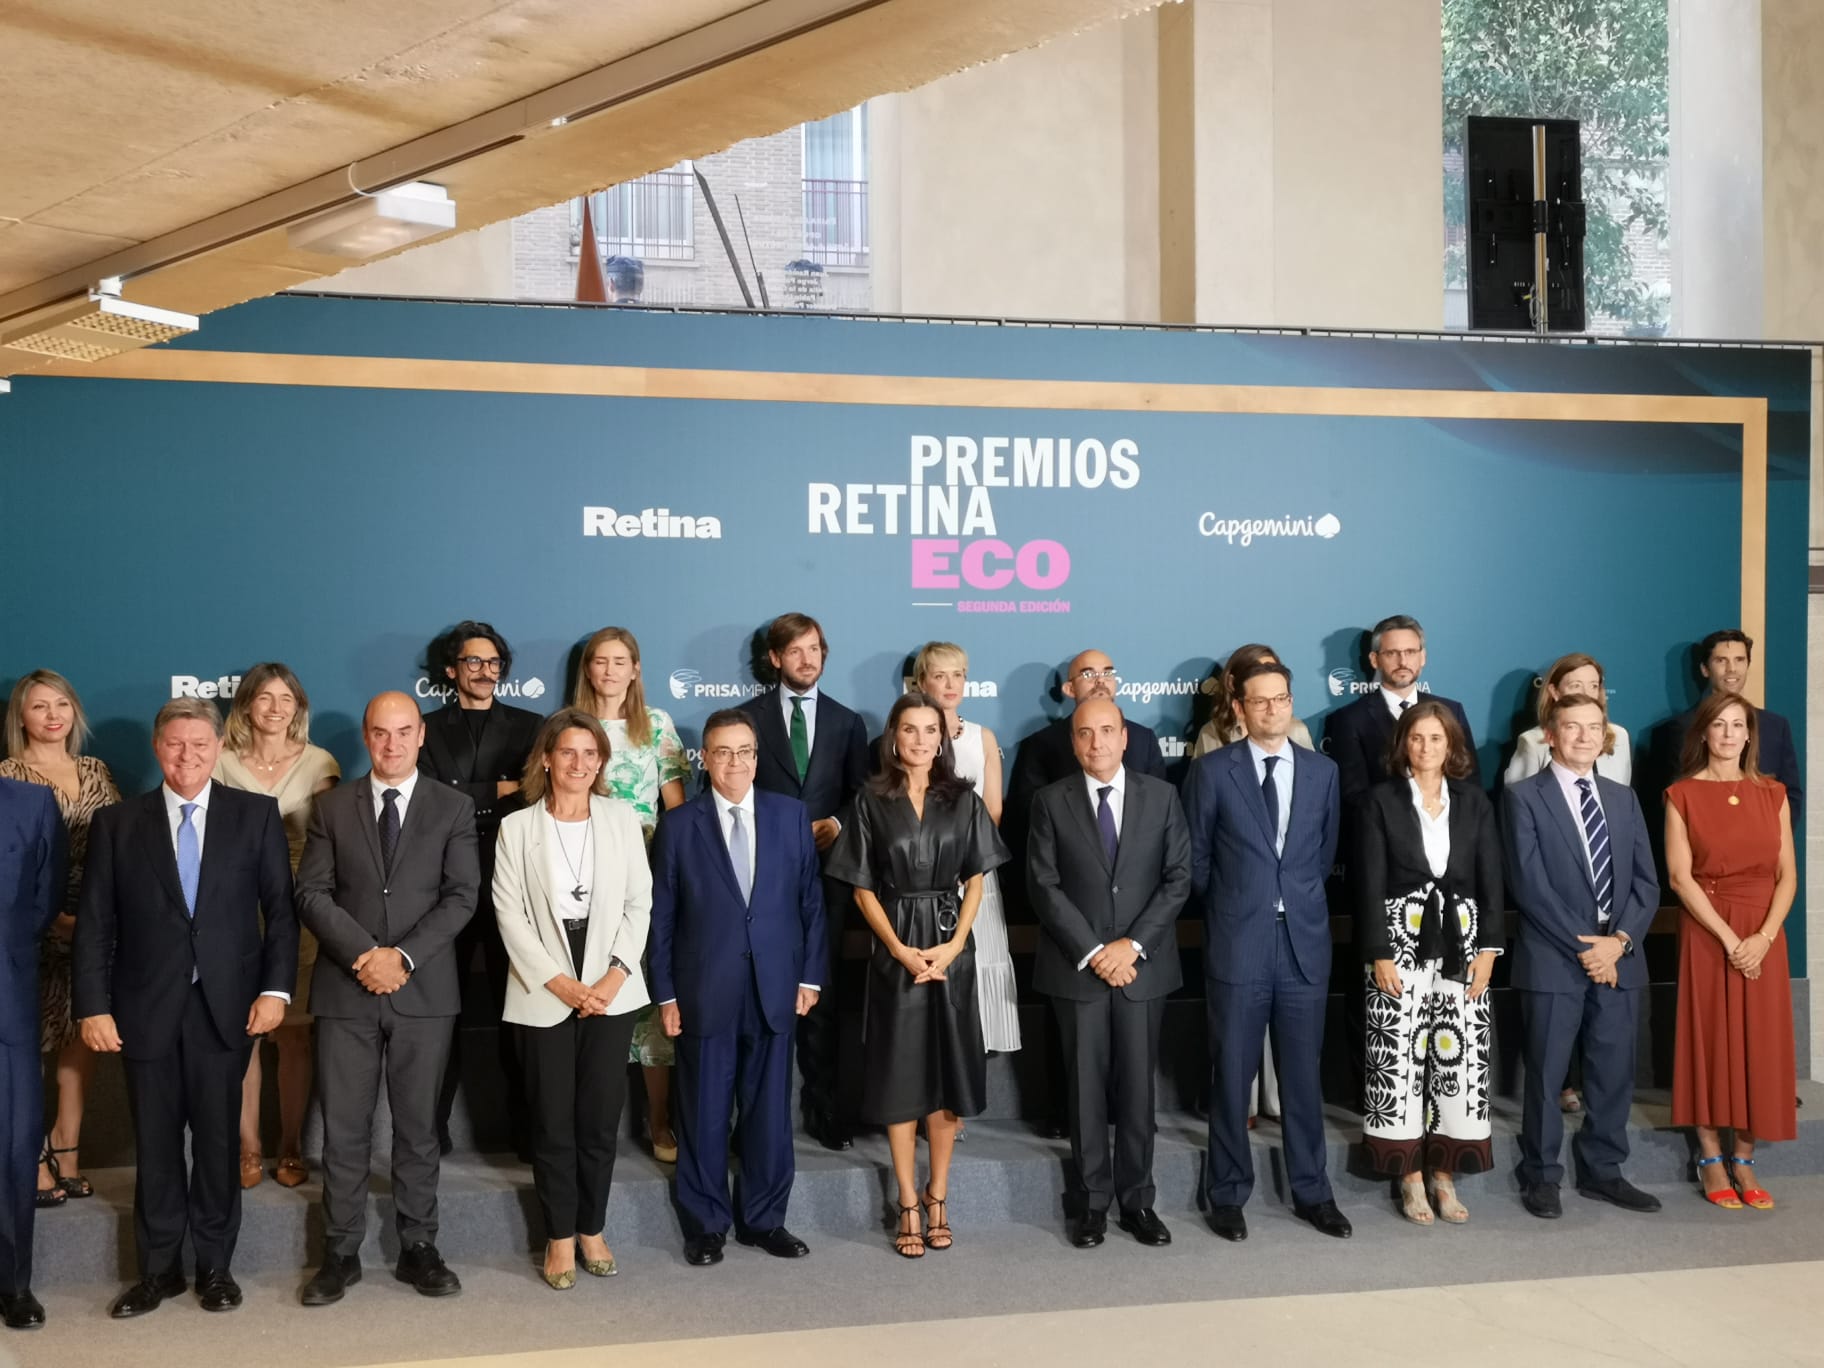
389 829
1596 831
189 858
1105 823
1269 793
737 854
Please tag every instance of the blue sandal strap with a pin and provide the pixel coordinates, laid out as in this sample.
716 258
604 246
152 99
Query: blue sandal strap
1713 1159
1737 1159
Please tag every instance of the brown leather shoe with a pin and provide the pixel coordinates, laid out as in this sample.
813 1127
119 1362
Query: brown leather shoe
291 1172
253 1169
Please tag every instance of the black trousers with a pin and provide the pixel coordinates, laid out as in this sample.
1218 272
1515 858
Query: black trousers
576 1083
820 1031
1111 1048
22 1095
352 1054
482 1000
196 1088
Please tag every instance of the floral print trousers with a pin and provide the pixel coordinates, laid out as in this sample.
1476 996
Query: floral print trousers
1426 1100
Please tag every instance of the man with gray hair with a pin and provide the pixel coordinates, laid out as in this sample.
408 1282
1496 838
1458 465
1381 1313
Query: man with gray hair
186 951
1357 735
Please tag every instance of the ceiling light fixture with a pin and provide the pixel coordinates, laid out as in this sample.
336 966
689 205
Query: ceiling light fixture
93 326
377 223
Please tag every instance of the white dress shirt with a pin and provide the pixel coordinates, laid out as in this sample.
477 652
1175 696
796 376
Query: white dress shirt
786 695
1434 831
1395 704
1117 805
1282 785
199 820
1573 796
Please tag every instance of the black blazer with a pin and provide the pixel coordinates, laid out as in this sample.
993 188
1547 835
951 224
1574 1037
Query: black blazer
1081 902
1357 735
1392 862
350 905
839 756
136 945
451 757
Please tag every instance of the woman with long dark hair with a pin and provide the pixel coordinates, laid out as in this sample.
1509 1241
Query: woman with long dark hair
916 834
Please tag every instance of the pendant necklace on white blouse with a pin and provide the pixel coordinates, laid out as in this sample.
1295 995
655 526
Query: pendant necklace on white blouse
578 892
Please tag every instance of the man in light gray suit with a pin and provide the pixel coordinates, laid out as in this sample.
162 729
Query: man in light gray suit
388 877
1108 870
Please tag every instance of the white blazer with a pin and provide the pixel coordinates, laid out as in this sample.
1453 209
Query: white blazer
530 927
1532 754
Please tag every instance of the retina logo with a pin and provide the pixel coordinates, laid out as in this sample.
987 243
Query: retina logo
686 684
529 687
1173 747
1246 530
648 522
190 686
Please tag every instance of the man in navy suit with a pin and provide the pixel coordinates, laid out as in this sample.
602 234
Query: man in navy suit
1263 815
1723 660
31 893
186 952
736 954
1580 868
1357 734
814 750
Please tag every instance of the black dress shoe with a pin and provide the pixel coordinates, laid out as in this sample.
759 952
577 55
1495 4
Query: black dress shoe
1228 1222
1619 1191
1088 1229
217 1290
21 1310
700 1251
1145 1226
1325 1219
779 1242
423 1267
339 1273
1542 1200
145 1295
827 1131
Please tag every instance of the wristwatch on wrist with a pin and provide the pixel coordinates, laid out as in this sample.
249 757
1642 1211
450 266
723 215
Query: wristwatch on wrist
1627 943
616 962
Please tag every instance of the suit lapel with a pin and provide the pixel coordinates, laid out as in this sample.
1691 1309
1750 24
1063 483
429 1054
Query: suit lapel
1241 771
1304 795
364 819
603 836
459 745
219 821
1462 840
1617 816
1086 814
155 832
820 750
1133 819
1553 798
711 821
775 743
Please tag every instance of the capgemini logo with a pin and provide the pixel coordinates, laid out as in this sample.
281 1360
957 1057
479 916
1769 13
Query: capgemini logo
1246 531
680 682
1328 526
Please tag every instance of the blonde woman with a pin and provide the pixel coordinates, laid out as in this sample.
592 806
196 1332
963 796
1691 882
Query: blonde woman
646 768
1581 675
940 671
266 749
45 729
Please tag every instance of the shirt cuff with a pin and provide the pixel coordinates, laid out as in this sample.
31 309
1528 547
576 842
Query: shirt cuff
1083 963
410 967
814 987
282 997
669 1002
1139 949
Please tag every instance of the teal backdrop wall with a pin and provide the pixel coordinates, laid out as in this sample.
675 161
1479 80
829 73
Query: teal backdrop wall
165 535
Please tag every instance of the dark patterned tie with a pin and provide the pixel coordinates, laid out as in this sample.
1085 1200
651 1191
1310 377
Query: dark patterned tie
389 829
1269 793
801 739
1596 832
1105 823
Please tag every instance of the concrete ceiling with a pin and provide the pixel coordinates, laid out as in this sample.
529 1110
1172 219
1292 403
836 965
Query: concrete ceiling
170 142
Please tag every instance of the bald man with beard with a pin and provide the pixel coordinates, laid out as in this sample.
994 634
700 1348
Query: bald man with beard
388 877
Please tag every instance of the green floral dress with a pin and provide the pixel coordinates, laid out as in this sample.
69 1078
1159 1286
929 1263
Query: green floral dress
635 775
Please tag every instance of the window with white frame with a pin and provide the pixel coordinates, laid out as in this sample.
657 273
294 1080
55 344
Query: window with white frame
836 189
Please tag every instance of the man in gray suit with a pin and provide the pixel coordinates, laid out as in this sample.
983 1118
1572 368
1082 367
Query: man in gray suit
389 876
1108 870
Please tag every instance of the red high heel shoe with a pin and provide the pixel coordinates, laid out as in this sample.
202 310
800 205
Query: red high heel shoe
1725 1196
1758 1198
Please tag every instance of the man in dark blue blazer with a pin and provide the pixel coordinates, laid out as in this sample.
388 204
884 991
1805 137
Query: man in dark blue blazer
1723 661
1357 734
814 750
736 955
1263 815
1580 868
186 951
31 895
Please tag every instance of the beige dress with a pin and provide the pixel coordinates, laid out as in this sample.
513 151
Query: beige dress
94 789
295 792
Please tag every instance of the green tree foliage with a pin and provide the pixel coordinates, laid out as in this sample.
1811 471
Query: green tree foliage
1600 61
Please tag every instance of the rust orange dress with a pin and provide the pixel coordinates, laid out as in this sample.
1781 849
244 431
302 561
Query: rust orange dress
1734 1065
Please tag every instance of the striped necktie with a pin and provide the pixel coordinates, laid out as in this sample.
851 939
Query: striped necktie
1596 832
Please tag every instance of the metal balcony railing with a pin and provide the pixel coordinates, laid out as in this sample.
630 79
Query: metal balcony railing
836 221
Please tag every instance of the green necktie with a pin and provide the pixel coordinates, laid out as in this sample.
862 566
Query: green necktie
801 738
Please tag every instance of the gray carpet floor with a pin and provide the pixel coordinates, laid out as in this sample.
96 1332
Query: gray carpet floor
996 1268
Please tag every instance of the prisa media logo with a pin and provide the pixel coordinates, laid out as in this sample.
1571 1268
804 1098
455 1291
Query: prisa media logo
1245 530
686 684
1343 681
